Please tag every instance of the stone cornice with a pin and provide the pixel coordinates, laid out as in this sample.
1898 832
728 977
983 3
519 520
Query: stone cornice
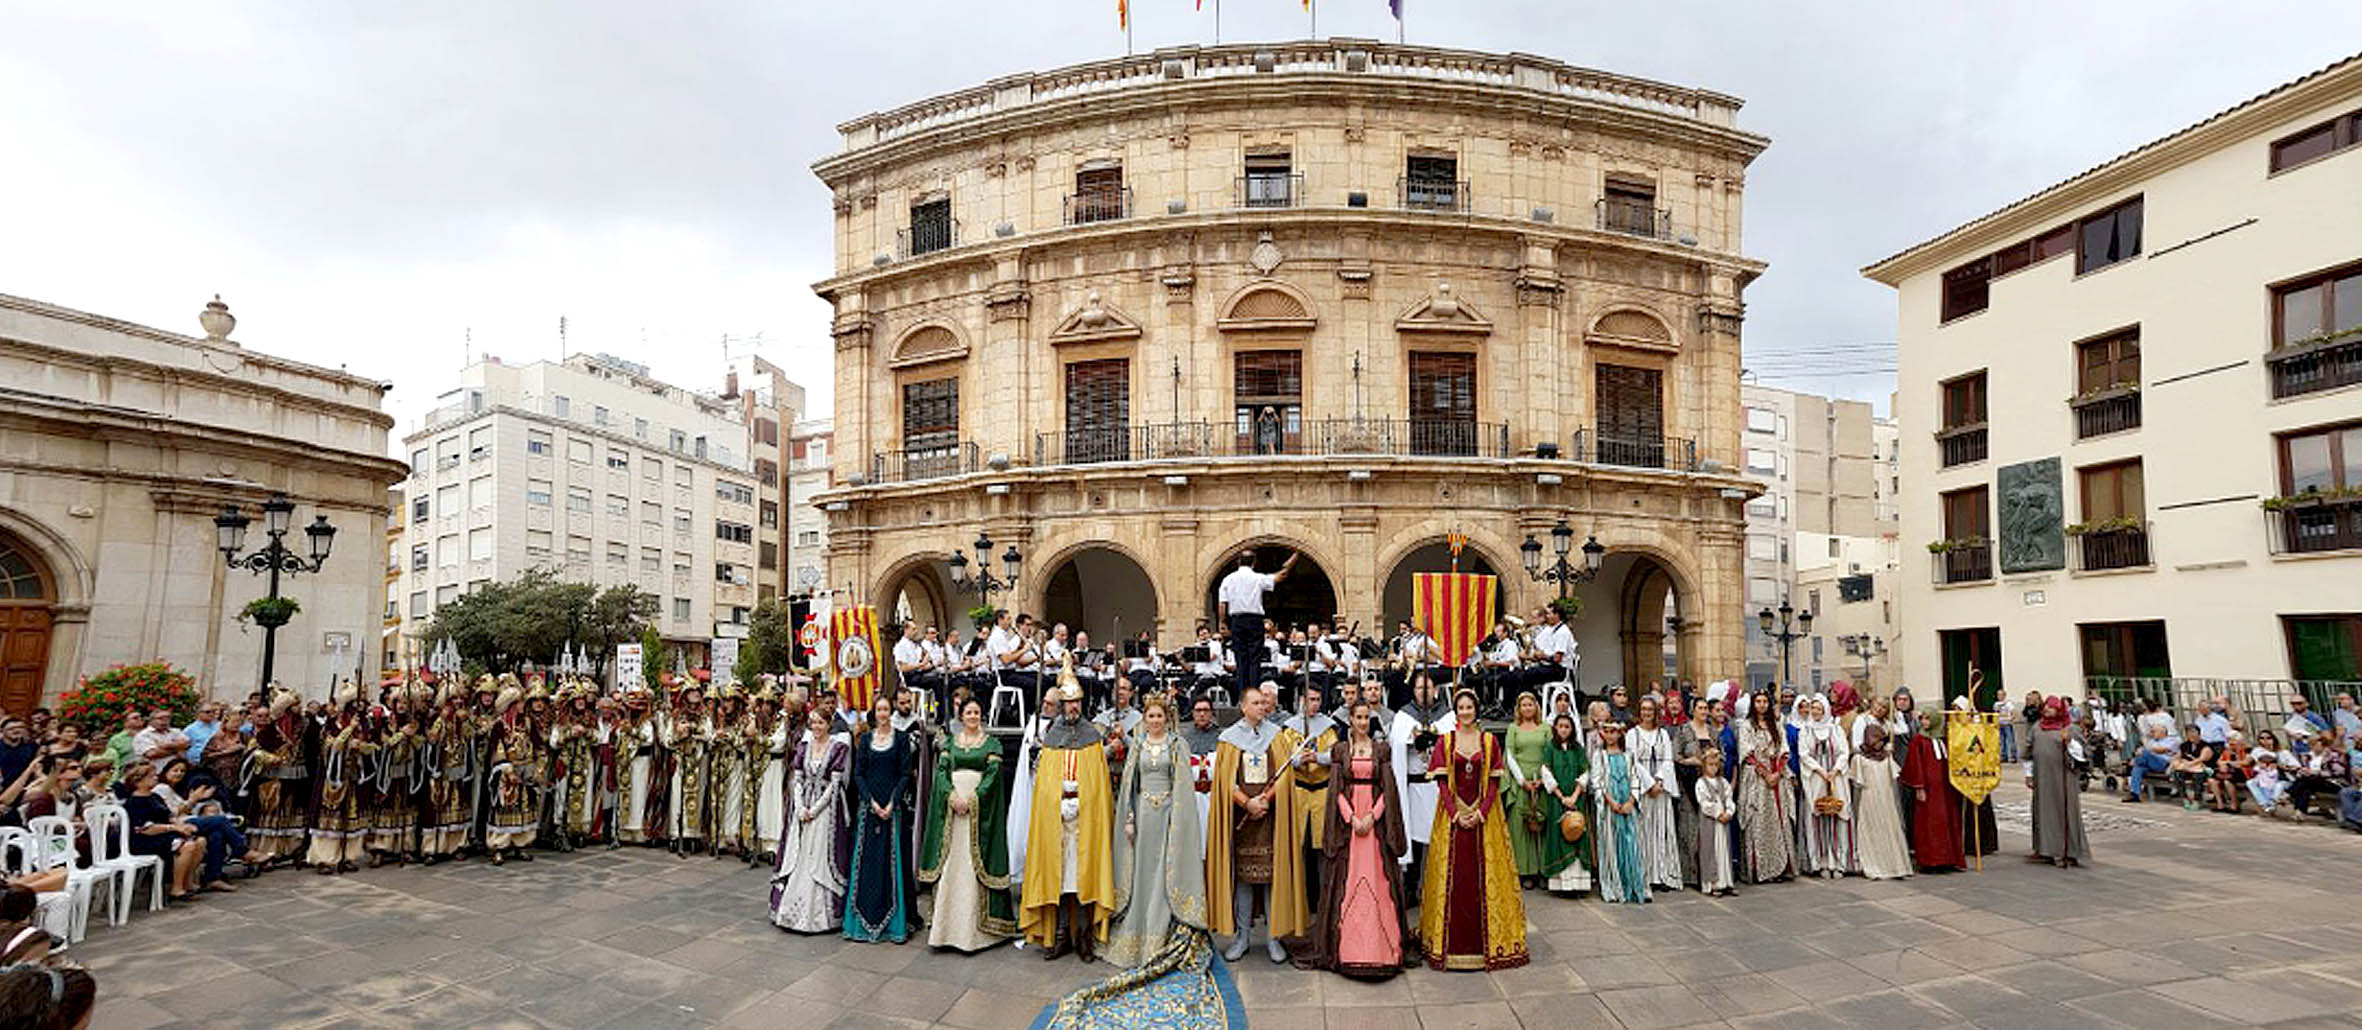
175 375
116 325
1145 230
2122 175
55 417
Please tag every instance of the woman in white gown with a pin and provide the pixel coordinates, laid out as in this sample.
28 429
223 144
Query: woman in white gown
1651 747
1878 813
1824 764
773 736
808 879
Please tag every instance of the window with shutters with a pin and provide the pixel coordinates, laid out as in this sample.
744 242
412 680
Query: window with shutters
1099 195
1962 438
930 418
1968 555
930 227
1270 180
1631 406
2109 362
1443 403
2112 491
1098 410
2109 237
1267 394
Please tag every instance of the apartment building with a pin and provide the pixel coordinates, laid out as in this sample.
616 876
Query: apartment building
1820 539
770 405
589 467
805 540
2131 411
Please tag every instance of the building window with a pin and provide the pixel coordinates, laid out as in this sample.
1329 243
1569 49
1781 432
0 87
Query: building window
767 515
1760 548
684 476
680 609
767 432
479 493
446 594
1962 438
558 405
578 500
1099 195
1967 536
733 493
681 521
808 538
678 441
1628 204
578 452
419 462
652 470
418 558
2324 647
1630 402
2115 513
1443 403
767 471
418 508
734 532
578 549
639 429
418 607
652 515
2109 237
723 573
1431 182
2316 467
1761 420
2319 141
619 461
681 570
930 418
1098 410
618 553
447 551
1267 395
537 442
931 227
619 506
2317 333
768 554
479 545
599 415
2124 650
1269 180
652 560
537 543
1967 288
2107 377
479 443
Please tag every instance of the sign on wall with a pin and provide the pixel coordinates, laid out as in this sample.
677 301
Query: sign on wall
628 667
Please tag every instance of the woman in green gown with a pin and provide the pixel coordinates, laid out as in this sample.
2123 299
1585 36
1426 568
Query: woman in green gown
1523 743
1566 864
966 854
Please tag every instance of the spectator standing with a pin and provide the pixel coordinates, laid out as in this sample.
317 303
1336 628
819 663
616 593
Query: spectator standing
201 731
17 748
2057 814
159 743
2009 735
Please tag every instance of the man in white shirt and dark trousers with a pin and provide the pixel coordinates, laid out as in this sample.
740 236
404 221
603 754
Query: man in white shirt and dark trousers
1241 598
918 667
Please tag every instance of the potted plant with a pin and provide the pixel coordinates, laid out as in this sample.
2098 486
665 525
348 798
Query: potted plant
984 615
2311 496
269 612
1948 546
1567 607
2117 524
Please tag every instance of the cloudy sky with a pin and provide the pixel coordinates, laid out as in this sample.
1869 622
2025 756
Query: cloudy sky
368 185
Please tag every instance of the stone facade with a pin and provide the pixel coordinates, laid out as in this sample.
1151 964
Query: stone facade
119 444
1356 212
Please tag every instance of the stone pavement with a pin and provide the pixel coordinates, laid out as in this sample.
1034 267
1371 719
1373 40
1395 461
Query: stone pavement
2185 920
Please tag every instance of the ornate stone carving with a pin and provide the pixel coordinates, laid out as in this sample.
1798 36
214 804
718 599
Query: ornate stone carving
869 201
1008 302
996 169
2033 538
1356 133
1553 152
1177 140
1354 282
1094 322
1024 163
1265 256
1538 291
1179 284
853 332
1521 148
1721 318
1441 312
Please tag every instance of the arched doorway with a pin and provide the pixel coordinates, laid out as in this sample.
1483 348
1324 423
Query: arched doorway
1306 595
1100 591
26 594
1395 601
1622 634
919 593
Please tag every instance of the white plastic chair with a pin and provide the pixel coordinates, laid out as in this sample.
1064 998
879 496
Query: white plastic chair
53 848
110 851
1014 698
54 910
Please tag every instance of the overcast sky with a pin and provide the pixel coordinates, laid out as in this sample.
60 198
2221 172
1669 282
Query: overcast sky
366 184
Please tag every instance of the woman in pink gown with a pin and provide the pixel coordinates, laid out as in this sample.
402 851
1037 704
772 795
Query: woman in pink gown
1358 932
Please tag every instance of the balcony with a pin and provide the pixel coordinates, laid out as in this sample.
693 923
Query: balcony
2313 526
1635 218
2106 411
1272 189
2325 364
1965 562
1427 194
1175 441
1960 445
924 237
918 463
1098 206
1648 452
1446 438
2111 547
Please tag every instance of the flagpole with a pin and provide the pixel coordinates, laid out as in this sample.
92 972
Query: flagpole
1217 22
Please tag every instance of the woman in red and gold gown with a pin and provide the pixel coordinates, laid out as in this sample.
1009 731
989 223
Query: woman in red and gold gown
1470 915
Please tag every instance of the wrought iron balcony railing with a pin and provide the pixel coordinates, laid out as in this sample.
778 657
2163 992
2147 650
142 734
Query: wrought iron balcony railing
1964 563
1649 452
1418 193
1446 438
927 237
918 463
2099 551
2311 368
2112 411
1635 218
1104 205
1272 189
2309 527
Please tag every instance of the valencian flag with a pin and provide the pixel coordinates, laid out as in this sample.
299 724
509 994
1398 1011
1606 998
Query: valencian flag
853 655
1453 608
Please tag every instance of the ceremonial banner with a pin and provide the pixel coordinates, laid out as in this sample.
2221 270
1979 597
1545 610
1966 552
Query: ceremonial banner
853 655
1973 742
1454 609
629 671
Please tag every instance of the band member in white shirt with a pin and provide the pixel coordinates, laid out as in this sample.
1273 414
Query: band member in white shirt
1211 667
1282 667
1554 657
916 665
1328 665
1240 600
1496 666
1141 664
1414 652
1016 661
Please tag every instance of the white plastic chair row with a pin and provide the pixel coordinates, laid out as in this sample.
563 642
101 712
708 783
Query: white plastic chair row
53 848
110 854
56 910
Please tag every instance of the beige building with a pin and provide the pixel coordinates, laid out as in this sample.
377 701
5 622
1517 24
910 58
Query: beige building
770 404
2131 413
119 444
1338 298
1820 538
590 468
810 473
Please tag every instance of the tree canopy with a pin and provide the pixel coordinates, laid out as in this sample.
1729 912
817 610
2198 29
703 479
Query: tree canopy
529 619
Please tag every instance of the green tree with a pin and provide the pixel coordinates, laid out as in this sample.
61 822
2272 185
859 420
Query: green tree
767 643
530 619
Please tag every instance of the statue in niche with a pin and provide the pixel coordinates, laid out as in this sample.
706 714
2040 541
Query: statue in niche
2033 537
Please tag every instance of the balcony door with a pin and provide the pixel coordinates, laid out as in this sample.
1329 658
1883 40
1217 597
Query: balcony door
1631 405
930 427
1443 403
1098 410
1267 401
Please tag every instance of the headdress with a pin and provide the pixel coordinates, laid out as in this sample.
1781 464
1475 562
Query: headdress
1069 688
345 693
508 698
283 700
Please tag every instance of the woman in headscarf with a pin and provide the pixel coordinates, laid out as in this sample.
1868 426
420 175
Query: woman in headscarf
963 855
1620 783
1522 742
1358 929
1160 869
2058 801
1566 768
1934 802
1767 813
1878 814
1471 916
1823 757
1651 746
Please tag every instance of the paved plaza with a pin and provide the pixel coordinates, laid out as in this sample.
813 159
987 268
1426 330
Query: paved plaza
2185 920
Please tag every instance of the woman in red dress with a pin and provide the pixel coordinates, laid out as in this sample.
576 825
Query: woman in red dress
1935 805
1471 916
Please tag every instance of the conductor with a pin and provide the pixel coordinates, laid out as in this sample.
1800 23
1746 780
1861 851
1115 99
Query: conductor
1241 600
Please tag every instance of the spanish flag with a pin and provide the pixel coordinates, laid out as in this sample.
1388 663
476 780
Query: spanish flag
1453 608
853 655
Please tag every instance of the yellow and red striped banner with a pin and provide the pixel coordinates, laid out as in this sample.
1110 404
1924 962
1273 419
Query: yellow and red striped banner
1453 608
853 655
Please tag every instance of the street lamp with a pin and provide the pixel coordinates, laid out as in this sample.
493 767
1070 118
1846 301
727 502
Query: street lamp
1865 646
273 558
1562 538
982 581
1779 631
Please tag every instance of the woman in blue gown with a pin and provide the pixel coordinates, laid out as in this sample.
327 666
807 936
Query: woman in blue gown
876 901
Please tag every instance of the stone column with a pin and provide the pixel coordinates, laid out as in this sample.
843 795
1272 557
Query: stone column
1553 403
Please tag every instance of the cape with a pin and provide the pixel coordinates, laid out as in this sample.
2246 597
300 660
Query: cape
1095 871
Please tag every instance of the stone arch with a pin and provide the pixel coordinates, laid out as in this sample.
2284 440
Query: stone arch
1613 643
1627 326
1068 591
72 578
918 582
30 638
927 343
1219 563
1266 304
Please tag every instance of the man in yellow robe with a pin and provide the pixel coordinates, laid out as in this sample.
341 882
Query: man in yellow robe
1310 737
1069 894
1249 830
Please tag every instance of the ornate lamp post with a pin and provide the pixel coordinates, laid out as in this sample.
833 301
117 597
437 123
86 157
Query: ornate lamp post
1865 646
1559 571
982 580
1781 632
273 558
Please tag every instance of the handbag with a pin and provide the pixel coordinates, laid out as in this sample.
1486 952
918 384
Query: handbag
1570 825
1829 805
